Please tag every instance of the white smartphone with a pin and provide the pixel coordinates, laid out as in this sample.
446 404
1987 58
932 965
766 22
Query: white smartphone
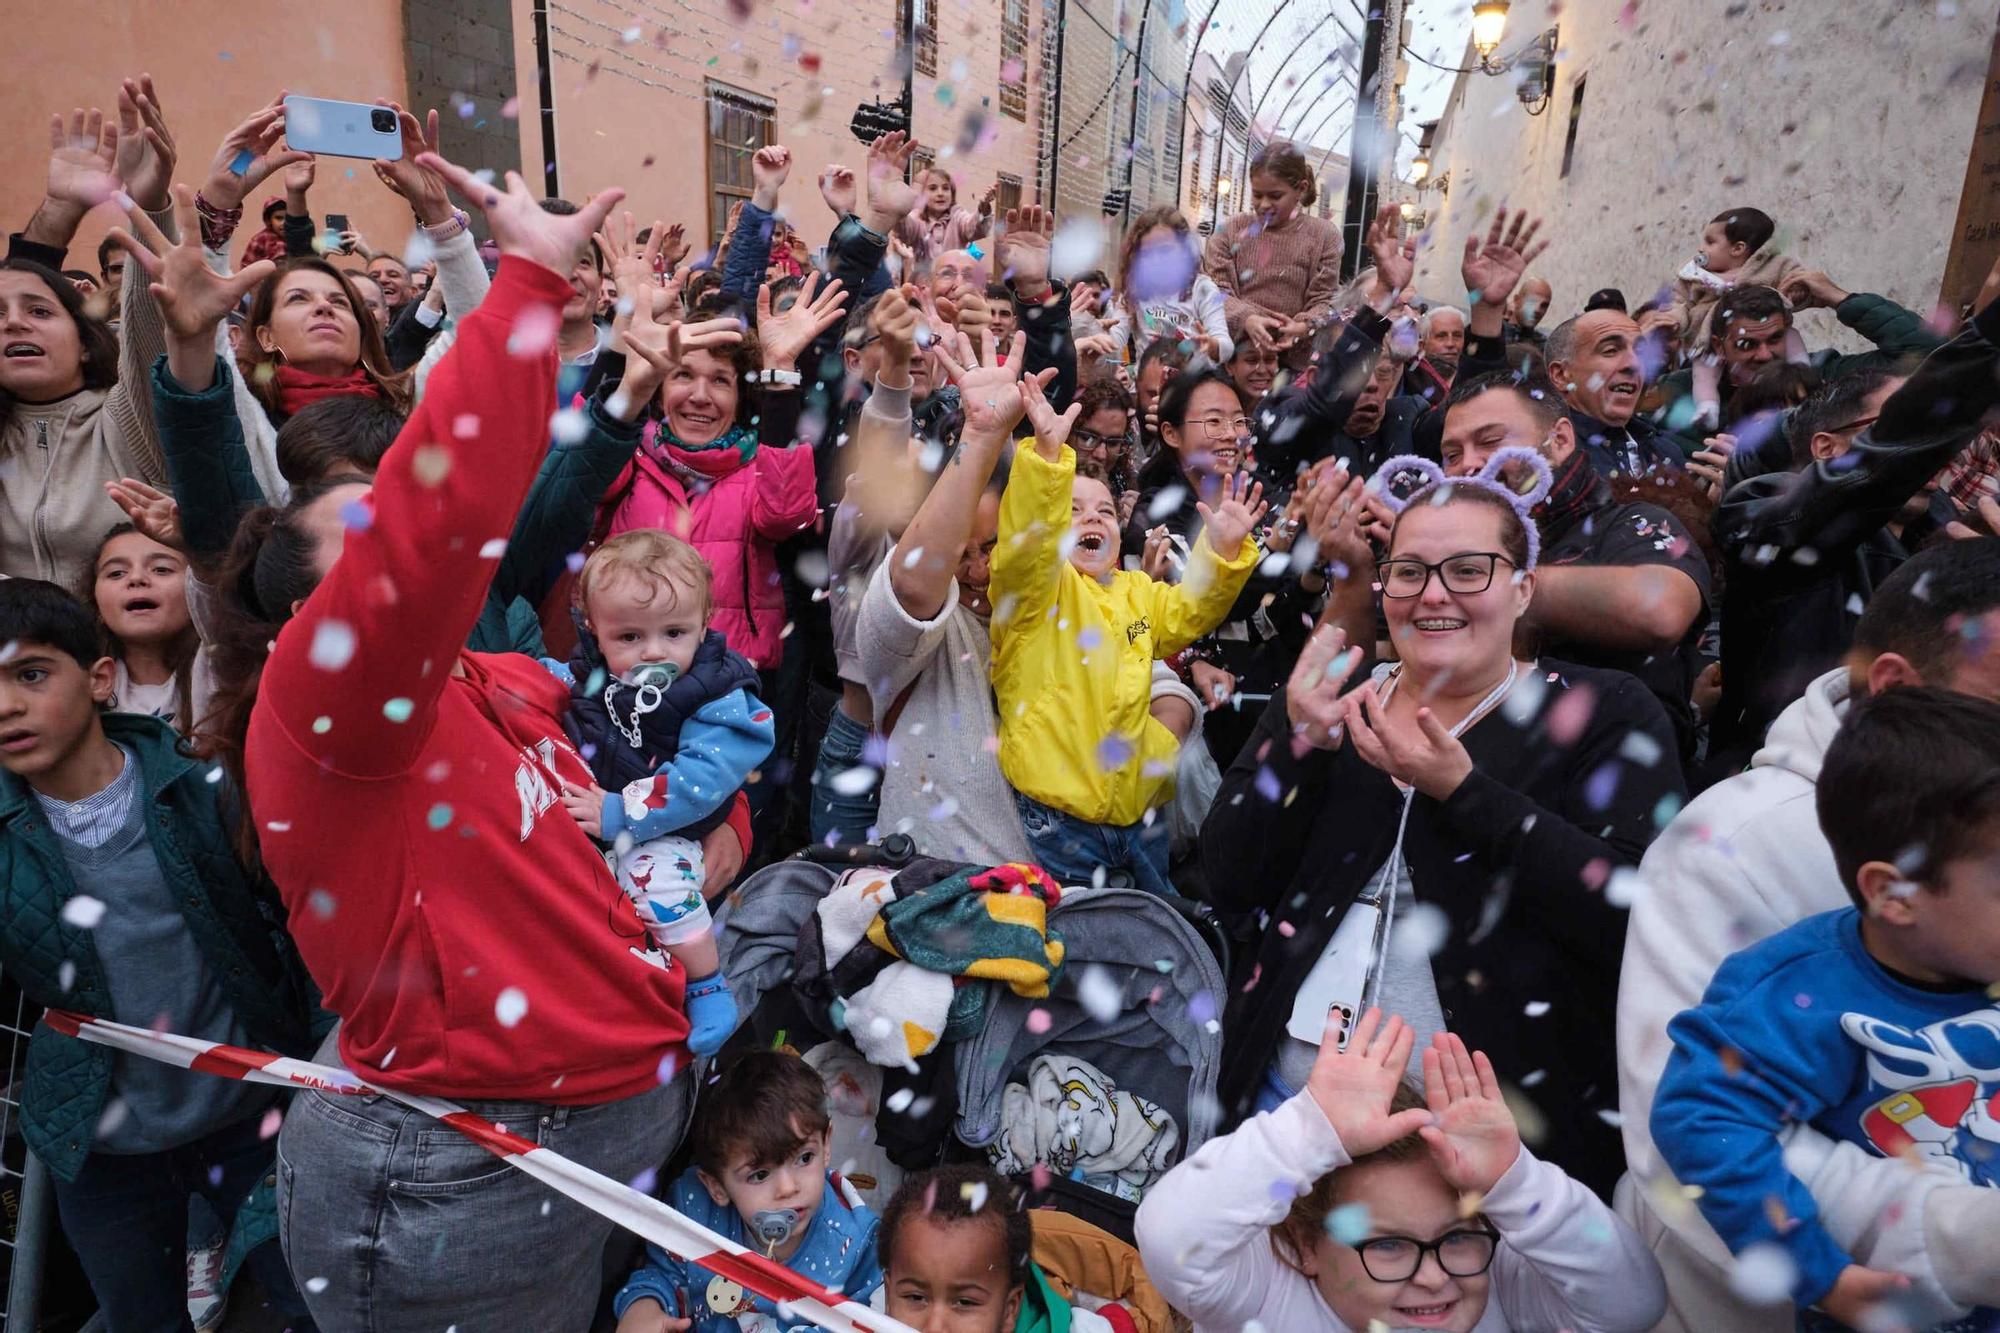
342 129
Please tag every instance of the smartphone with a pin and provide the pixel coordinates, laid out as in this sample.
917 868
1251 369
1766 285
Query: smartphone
342 129
336 223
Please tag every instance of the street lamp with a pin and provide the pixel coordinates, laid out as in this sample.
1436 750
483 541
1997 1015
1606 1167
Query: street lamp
1489 24
1420 168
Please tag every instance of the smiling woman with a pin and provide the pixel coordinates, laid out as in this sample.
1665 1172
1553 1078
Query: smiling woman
1484 799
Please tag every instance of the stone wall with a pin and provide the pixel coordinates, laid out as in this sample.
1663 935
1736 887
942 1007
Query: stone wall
1848 122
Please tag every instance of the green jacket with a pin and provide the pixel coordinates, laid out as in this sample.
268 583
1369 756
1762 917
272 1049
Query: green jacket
236 919
208 466
1897 333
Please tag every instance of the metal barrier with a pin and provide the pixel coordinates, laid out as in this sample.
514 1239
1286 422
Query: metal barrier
25 1189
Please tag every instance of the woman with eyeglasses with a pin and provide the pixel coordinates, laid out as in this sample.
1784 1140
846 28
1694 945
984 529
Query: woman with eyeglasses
1450 837
1360 1203
1205 439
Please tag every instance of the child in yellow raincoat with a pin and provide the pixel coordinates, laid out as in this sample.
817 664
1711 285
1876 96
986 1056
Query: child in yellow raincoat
1074 641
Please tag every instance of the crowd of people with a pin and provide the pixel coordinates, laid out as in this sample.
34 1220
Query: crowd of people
1574 723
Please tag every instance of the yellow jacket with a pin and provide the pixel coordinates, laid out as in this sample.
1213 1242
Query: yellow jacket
1073 658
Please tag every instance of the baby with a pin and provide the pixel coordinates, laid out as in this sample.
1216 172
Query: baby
1732 253
760 1178
665 716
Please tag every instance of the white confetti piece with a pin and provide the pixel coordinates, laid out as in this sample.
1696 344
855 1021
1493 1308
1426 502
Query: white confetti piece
511 1007
1100 995
1763 1274
332 645
83 912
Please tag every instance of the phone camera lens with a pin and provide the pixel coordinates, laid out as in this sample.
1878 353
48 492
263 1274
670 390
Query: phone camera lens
383 121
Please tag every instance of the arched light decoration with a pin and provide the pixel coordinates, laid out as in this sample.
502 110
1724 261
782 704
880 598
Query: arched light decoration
1489 25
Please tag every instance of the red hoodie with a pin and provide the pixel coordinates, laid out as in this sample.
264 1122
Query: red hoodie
463 927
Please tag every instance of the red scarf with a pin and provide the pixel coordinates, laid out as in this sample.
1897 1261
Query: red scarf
300 389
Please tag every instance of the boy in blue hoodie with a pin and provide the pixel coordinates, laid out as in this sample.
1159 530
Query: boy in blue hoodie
760 1178
1876 1023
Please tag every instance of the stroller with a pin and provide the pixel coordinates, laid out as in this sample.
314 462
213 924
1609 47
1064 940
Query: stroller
1139 997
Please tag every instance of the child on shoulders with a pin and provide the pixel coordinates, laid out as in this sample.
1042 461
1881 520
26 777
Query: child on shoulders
1732 254
666 717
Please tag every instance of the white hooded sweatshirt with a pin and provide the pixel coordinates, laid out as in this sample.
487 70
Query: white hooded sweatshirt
1743 861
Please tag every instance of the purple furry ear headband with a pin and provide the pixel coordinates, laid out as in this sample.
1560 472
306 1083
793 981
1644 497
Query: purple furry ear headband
1406 479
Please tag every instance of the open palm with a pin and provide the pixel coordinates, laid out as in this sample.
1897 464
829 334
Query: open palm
782 335
1492 269
83 159
193 297
519 225
1474 1140
1354 1087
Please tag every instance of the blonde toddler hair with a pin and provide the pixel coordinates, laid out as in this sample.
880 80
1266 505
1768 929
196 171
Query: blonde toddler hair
650 556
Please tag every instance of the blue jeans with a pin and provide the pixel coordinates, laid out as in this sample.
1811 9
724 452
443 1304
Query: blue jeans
126 1216
414 1226
835 813
1072 849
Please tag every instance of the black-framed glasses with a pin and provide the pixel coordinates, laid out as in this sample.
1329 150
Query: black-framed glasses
1084 441
1466 573
1466 1253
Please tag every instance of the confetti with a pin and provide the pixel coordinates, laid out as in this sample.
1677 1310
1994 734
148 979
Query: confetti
83 911
431 464
511 1007
332 645
398 710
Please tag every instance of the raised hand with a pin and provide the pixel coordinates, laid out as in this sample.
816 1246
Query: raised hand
783 335
1156 558
1023 254
1051 427
836 186
653 348
895 321
421 187
1422 753
1810 289
151 510
632 264
1237 511
769 167
83 160
1492 270
146 152
1312 696
890 197
1355 1087
1266 330
987 200
1395 258
1334 512
260 137
299 176
1473 1138
990 392
1708 463
516 221
193 298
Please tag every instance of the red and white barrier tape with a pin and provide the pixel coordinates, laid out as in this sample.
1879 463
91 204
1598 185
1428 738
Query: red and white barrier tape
672 1231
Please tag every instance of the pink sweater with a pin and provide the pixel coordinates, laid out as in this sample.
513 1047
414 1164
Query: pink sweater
1290 270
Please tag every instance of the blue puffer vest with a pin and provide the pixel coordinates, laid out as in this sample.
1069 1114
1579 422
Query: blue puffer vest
614 760
236 919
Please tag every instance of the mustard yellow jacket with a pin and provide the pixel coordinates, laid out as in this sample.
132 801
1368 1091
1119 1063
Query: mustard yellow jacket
1073 658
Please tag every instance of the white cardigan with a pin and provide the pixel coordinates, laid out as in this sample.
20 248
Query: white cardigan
1565 1260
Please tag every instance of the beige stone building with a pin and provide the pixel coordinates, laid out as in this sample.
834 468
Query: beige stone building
1849 123
667 100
